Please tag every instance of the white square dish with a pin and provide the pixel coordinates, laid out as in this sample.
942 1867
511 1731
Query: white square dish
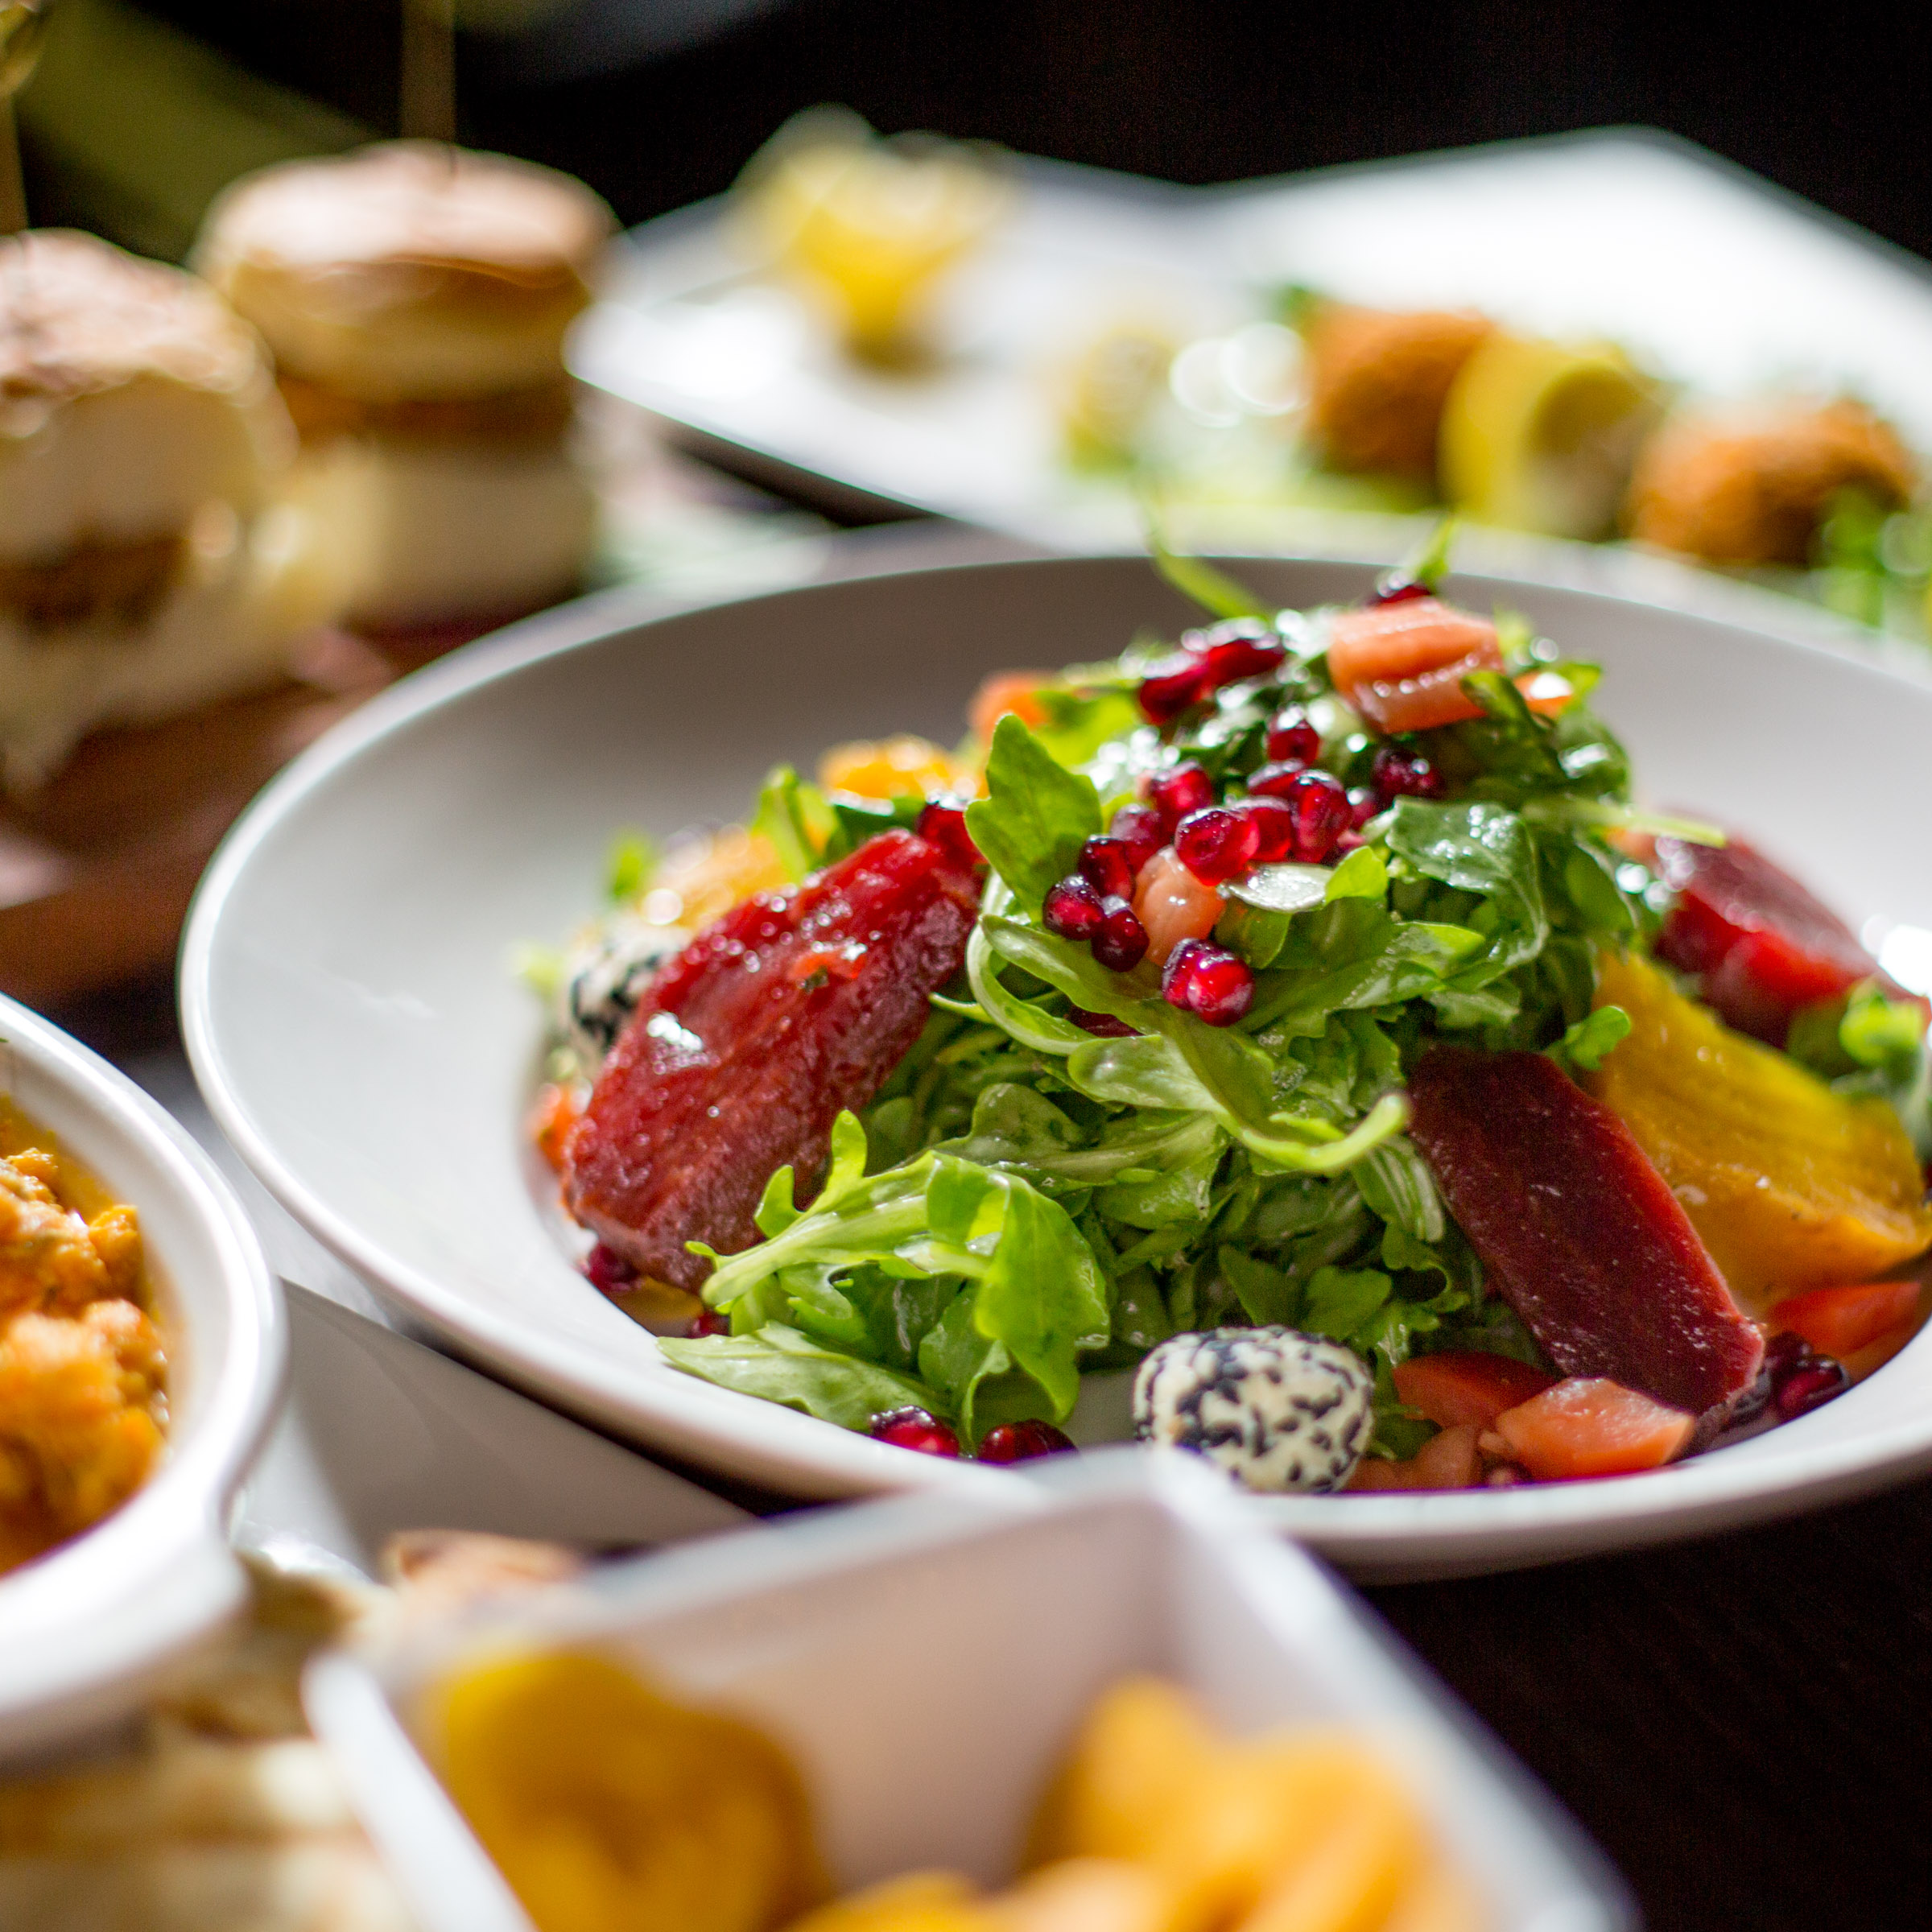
966 1635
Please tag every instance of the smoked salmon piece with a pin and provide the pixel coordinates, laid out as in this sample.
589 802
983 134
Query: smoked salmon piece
1763 944
1579 1231
794 1006
1588 1428
1400 666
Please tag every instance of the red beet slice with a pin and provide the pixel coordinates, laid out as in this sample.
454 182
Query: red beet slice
1764 945
1583 1239
791 1007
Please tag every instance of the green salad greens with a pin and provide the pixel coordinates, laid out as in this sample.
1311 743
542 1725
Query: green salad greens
1026 1203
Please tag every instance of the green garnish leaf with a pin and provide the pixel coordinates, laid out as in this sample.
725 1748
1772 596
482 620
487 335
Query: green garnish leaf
1036 815
633 858
1586 1044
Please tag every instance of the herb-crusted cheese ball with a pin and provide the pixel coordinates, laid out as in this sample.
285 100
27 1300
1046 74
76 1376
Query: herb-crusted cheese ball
1277 1410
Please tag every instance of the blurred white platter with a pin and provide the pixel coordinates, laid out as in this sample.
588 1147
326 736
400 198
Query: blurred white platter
353 1018
1720 280
1037 1607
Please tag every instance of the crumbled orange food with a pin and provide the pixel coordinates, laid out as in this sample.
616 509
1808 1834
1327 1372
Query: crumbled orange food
82 1370
899 767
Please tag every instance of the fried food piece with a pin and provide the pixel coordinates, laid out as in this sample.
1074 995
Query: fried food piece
1752 485
1377 380
50 1258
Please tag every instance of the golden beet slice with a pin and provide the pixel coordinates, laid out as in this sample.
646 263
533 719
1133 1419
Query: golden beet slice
1791 1185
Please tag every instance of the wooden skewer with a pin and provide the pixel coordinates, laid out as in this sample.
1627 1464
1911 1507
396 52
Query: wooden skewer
13 189
429 70
22 24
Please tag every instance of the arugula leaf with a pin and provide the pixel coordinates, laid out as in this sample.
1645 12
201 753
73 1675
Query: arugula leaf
1214 590
780 1365
1339 1301
1039 1289
794 815
632 859
1036 816
1483 848
1585 1045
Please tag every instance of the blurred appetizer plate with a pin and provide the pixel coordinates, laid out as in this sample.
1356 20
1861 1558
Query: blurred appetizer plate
86 1630
352 1013
1114 1569
740 368
1716 278
381 1434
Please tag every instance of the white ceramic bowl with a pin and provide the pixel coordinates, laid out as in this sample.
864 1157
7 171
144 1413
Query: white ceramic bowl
353 1018
86 1630
826 1631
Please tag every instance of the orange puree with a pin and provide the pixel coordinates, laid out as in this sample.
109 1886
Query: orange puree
82 1371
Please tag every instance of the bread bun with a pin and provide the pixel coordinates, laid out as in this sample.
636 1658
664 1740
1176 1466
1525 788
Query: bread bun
130 398
409 271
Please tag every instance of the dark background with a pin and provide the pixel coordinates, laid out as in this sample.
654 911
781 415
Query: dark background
1833 105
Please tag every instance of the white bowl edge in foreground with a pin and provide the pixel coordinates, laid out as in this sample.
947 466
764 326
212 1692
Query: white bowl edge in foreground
1038 1598
86 1630
352 1015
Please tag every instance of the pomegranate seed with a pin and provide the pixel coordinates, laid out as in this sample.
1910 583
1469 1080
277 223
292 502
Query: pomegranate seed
1348 842
1141 830
1365 804
1396 588
1103 1025
1811 1387
1175 793
944 821
709 1321
1800 1378
1171 687
1293 739
1217 844
1234 658
1403 774
1230 630
1121 941
607 1272
1072 910
1273 781
1208 982
1276 823
1321 814
915 1428
1020 1441
1108 866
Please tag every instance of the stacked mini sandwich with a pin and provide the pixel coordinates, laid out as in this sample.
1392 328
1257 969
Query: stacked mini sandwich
415 299
141 441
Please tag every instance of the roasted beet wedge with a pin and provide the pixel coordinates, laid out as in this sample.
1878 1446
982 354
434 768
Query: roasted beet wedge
1764 946
748 1045
1579 1231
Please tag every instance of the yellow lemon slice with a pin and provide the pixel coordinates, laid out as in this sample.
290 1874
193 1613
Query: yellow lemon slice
1541 436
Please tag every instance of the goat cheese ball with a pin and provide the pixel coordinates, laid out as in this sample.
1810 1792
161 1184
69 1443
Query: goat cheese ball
1279 1410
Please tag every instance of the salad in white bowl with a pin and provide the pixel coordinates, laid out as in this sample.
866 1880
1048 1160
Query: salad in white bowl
1299 1017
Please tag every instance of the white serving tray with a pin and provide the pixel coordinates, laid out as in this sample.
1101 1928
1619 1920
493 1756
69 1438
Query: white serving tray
968 1637
1723 281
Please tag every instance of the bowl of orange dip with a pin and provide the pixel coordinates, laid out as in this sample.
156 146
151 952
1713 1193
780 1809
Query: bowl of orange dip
141 1351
